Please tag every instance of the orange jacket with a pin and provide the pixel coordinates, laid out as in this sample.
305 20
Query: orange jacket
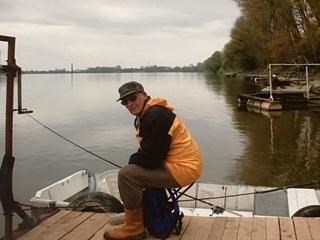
165 141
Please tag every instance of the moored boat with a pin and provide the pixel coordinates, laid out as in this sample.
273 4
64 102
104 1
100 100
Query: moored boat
84 188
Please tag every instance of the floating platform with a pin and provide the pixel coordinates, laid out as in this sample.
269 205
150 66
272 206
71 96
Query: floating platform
259 102
281 101
70 225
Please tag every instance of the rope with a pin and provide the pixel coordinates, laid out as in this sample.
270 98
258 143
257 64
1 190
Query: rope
256 192
73 143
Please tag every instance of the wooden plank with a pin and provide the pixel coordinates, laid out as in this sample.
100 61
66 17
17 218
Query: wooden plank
88 228
99 234
272 229
186 221
287 229
66 225
199 228
218 228
62 226
45 224
259 228
314 226
231 230
245 228
302 229
185 224
56 217
299 198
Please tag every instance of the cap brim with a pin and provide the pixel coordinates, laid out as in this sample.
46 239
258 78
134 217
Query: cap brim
127 94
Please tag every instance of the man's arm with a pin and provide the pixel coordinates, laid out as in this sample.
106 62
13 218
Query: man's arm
155 143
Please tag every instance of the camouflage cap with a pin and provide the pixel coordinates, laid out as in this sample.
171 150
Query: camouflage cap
129 88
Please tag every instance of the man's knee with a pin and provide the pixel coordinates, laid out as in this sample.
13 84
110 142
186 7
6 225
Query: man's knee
127 171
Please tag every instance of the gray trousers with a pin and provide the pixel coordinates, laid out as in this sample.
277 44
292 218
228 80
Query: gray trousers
132 180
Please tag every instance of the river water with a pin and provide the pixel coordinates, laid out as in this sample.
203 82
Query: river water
239 147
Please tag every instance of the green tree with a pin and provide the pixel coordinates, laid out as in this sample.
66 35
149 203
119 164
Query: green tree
213 63
241 52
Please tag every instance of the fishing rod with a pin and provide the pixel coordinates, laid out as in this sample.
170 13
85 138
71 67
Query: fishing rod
284 188
215 208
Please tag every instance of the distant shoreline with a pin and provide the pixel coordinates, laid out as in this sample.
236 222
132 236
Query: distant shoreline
69 72
118 69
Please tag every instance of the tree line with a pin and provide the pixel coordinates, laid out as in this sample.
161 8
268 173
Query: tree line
199 67
271 31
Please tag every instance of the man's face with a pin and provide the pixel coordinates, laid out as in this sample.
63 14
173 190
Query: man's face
135 102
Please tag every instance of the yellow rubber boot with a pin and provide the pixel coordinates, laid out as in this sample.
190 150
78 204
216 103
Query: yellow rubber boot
131 229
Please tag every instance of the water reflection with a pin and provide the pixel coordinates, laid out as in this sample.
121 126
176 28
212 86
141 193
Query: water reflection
282 148
286 154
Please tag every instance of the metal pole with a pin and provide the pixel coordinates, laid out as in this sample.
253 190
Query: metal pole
270 82
10 93
307 78
8 158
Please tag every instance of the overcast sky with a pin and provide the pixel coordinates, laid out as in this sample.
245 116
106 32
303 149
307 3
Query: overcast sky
131 33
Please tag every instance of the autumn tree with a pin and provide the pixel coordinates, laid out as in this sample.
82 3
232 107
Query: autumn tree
270 31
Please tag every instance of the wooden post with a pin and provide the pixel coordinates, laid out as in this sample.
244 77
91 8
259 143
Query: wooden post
8 160
6 170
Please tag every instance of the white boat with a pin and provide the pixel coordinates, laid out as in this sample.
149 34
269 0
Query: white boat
86 189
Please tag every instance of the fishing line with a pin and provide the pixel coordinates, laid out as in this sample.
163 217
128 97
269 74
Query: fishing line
73 143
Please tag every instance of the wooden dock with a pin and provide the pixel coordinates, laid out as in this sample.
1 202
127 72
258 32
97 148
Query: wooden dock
67 225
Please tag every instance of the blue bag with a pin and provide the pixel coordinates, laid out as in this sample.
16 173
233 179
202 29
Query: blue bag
161 212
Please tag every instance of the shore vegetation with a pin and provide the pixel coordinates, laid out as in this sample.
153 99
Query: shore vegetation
273 31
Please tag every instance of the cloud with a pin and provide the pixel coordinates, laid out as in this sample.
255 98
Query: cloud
54 33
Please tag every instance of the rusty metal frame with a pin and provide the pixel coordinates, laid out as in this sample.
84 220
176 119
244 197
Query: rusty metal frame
6 194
